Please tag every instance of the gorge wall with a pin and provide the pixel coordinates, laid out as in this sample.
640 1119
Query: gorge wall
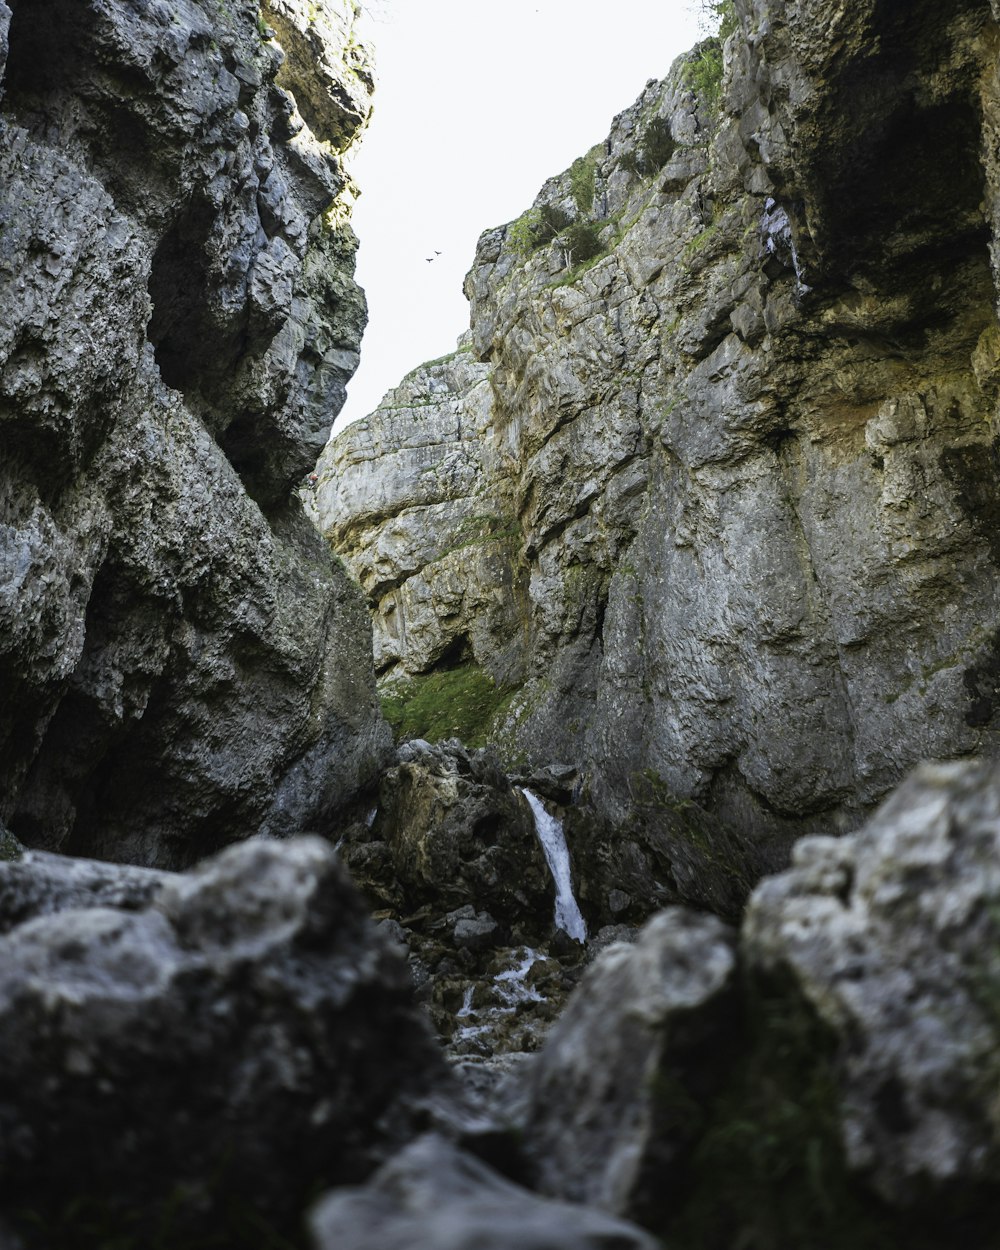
181 662
711 483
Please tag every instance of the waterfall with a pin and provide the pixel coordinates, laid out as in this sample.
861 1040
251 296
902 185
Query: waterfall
550 835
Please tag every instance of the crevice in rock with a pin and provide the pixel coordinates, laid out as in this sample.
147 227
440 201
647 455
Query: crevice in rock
186 345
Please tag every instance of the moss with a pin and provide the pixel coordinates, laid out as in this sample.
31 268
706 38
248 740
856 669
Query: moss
10 848
458 702
477 530
700 241
583 181
769 1170
703 73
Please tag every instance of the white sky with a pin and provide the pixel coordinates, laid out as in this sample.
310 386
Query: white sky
478 102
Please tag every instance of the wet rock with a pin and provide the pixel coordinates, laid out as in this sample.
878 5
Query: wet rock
243 1039
891 937
455 833
610 1105
432 1196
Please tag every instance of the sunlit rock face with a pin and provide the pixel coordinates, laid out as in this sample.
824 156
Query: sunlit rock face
744 456
414 497
181 662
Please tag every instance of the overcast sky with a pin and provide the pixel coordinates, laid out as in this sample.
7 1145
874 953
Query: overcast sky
478 102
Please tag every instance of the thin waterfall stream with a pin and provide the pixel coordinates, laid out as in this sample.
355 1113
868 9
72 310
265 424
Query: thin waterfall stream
553 842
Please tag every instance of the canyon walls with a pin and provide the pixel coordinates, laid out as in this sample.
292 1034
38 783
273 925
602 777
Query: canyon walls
710 487
181 662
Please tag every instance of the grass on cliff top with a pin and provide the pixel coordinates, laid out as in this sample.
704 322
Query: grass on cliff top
451 703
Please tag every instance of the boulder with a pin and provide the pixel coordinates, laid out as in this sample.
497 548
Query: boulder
36 883
433 1196
891 938
212 1059
612 1105
451 831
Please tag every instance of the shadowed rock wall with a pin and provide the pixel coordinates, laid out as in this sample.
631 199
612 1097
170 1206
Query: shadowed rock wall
181 663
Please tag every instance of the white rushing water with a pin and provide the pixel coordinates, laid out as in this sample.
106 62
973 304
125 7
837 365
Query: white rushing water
509 991
550 835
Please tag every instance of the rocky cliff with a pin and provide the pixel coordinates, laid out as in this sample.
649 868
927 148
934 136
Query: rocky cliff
181 663
712 484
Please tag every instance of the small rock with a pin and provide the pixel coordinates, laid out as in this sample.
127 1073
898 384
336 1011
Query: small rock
433 1196
477 933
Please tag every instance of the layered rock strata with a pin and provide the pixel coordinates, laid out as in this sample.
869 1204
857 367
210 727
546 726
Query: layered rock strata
736 423
181 662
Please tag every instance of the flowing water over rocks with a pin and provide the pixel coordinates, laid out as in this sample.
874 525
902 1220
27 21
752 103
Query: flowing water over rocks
550 834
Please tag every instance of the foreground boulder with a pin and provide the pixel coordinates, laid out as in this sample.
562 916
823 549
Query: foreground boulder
35 883
892 938
434 1197
218 1055
612 1103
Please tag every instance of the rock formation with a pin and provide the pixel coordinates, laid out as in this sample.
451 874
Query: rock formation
208 1059
432 1197
611 1103
705 502
719 498
833 1083
181 662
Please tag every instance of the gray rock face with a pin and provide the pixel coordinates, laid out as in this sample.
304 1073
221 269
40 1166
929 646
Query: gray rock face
434 1197
243 1038
891 937
613 1102
180 661
409 498
748 446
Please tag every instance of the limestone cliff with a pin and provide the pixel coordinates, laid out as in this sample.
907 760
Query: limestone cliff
736 418
181 663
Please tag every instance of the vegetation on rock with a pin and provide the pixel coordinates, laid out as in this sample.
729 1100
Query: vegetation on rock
450 703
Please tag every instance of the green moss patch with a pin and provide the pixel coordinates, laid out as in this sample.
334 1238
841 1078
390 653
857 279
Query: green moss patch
769 1171
10 848
453 703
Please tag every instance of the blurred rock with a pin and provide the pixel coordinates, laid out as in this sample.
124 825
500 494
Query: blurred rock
611 1105
892 938
245 1038
432 1196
